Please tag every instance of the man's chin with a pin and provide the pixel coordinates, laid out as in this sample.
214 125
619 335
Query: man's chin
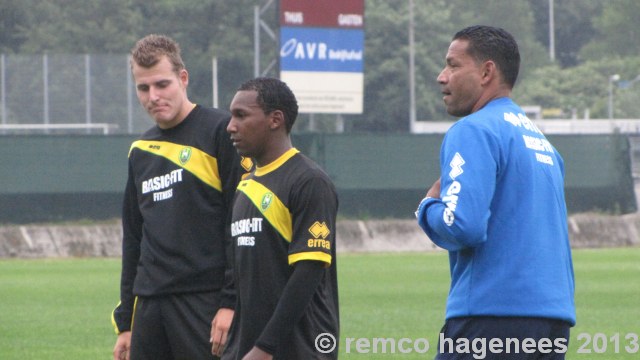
160 116
243 153
457 112
165 123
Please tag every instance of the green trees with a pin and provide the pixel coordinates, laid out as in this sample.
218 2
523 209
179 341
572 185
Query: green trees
617 32
76 26
610 45
593 39
386 57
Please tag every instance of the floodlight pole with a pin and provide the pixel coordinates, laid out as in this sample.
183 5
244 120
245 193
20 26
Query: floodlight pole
552 35
257 24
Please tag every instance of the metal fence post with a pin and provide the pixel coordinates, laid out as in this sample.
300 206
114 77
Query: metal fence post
87 87
129 101
45 88
3 89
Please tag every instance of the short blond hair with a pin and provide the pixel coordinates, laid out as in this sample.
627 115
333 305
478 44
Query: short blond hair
148 51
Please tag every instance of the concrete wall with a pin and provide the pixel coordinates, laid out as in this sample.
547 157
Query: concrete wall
104 240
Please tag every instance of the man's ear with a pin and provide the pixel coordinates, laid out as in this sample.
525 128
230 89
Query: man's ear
276 120
489 72
184 77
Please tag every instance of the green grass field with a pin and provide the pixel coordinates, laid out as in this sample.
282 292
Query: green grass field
60 309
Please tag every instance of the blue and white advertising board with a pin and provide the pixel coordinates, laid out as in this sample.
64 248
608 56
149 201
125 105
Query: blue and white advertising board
323 64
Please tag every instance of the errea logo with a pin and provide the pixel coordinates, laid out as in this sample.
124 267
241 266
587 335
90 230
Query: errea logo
320 232
185 155
246 163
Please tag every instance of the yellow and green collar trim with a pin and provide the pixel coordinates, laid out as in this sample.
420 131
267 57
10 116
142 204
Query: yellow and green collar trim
264 170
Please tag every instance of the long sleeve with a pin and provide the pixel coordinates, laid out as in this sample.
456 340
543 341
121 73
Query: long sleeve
295 299
132 235
231 171
469 162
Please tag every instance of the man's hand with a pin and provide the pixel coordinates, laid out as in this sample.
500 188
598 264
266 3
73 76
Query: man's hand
219 330
257 354
122 347
434 191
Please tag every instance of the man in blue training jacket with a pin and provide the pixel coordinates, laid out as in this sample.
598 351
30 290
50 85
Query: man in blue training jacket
499 209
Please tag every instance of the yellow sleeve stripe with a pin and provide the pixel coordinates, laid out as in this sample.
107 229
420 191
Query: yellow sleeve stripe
113 319
200 164
311 255
276 213
113 316
135 307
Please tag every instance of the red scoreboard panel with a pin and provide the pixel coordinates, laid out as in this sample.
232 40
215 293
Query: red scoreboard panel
322 13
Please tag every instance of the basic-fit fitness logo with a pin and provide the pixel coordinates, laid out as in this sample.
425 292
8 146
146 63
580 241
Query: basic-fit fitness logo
185 155
320 231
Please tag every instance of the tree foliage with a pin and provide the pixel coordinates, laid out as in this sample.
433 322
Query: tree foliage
617 31
573 25
78 26
435 22
585 88
594 40
14 16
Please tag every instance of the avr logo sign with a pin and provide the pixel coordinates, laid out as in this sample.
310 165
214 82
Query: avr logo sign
322 54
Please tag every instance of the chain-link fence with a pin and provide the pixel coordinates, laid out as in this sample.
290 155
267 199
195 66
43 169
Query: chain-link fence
62 93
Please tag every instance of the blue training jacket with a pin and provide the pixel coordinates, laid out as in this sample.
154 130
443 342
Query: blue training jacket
502 216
